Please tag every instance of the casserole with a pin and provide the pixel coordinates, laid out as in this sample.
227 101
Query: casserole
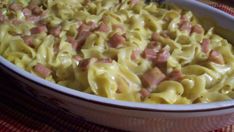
138 116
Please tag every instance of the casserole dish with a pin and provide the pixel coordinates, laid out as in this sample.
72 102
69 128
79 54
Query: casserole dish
138 116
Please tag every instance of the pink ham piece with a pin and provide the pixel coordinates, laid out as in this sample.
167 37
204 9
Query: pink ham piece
27 12
185 26
82 36
149 54
72 41
134 2
116 40
175 75
42 70
2 17
85 63
37 10
162 57
155 36
92 25
39 29
197 29
152 78
118 26
55 31
135 54
16 7
33 19
28 40
105 60
216 57
103 28
144 93
205 46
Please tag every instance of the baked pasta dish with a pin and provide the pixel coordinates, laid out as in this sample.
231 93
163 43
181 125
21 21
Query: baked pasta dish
119 49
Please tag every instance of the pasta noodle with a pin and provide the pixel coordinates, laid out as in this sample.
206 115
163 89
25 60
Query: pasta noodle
123 50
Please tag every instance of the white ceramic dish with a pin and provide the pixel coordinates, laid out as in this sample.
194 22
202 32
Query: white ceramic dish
138 116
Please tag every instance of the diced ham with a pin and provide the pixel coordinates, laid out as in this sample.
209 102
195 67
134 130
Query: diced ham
27 12
183 18
33 4
82 36
55 31
42 70
16 21
84 27
28 40
103 28
135 54
118 26
78 58
2 17
175 75
105 60
92 25
154 45
144 93
39 29
155 36
149 54
34 19
116 40
186 26
162 57
37 10
72 41
152 78
216 57
85 63
197 29
205 46
134 2
16 7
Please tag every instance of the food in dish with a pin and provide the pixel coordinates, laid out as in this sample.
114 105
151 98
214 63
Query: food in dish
124 50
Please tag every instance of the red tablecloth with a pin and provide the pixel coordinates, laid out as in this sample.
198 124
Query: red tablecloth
21 112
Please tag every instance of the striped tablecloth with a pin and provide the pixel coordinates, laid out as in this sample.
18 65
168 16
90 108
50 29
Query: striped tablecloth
20 112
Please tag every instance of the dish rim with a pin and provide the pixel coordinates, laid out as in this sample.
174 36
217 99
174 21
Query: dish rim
117 103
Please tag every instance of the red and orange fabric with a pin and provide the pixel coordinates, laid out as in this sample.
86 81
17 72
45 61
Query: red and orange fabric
20 112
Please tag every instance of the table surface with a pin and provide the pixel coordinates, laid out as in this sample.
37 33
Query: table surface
21 112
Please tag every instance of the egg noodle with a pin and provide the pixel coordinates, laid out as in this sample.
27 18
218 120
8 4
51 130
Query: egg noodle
119 49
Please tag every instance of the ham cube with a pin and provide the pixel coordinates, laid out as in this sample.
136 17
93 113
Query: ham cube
78 58
27 12
149 54
42 70
135 54
152 78
81 39
28 40
55 31
162 57
39 29
197 29
103 28
216 57
175 75
155 36
85 63
72 41
205 46
116 40
186 26
144 93
134 2
16 7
